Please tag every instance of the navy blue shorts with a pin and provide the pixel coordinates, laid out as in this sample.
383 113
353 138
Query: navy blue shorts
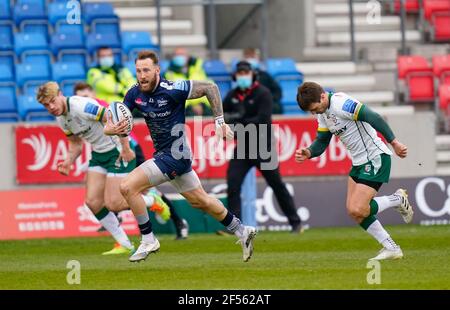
170 166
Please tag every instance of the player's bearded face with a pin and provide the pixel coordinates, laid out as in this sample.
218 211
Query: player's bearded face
147 75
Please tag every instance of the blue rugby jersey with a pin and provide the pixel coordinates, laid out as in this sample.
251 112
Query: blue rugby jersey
163 110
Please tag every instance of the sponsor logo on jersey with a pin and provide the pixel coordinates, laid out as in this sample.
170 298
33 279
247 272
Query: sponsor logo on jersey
181 85
91 108
162 102
349 106
139 101
340 131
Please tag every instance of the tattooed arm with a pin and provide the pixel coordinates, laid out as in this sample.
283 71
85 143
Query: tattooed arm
211 91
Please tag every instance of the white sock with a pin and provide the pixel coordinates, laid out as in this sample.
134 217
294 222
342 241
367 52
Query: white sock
377 231
148 238
112 225
149 200
386 202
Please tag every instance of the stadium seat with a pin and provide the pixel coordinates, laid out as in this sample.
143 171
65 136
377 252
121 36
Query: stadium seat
441 68
93 12
68 71
31 110
29 13
440 30
8 107
164 65
33 28
289 90
224 86
77 29
5 10
6 36
444 97
40 3
31 74
215 68
44 58
418 76
130 65
133 41
107 27
96 40
69 43
6 74
7 58
24 42
277 67
411 6
431 7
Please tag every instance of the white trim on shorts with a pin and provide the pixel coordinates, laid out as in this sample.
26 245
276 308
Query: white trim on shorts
116 175
98 169
183 183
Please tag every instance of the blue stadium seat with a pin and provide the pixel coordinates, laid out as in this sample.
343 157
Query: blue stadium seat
77 29
40 3
96 40
6 35
6 74
95 11
25 41
164 65
107 27
39 58
34 28
61 41
81 58
31 74
7 58
8 107
289 89
29 13
215 68
224 87
281 67
130 65
5 10
68 72
31 110
133 41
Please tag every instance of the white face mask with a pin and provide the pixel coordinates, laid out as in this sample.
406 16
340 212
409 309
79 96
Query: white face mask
106 62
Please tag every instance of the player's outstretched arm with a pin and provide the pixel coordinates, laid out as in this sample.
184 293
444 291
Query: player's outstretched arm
211 91
376 121
75 149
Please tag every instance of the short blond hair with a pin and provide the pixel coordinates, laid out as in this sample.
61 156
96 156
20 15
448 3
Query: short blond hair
47 92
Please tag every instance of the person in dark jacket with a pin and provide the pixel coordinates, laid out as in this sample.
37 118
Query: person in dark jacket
251 55
250 105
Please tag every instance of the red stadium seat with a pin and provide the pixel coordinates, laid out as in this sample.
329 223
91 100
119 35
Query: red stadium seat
411 6
441 68
430 7
441 26
444 97
419 78
407 64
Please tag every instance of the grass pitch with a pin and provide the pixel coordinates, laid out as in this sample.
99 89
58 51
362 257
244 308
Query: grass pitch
332 258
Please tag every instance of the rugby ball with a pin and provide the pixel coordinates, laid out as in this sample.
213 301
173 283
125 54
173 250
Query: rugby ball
118 112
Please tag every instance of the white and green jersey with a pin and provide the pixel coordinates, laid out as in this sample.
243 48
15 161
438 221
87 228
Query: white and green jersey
360 138
84 119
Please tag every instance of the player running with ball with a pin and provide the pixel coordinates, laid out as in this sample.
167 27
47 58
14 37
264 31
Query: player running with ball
162 103
356 125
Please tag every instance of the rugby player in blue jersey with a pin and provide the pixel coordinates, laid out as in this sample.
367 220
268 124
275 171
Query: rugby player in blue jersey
162 103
